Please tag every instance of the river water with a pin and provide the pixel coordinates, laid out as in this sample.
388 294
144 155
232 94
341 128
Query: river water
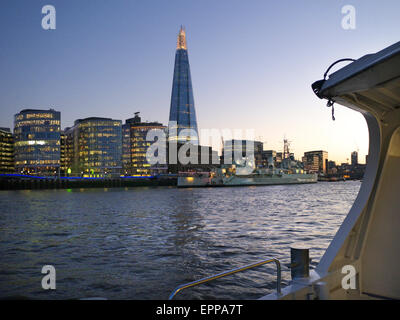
140 243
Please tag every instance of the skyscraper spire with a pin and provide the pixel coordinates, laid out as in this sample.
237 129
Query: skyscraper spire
181 43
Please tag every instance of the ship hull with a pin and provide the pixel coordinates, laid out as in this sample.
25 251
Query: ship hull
271 180
250 180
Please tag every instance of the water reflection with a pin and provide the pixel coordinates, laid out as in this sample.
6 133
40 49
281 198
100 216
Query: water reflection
140 243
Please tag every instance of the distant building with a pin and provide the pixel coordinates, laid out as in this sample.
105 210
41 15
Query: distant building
311 163
63 154
135 145
6 151
67 153
37 141
279 158
316 161
97 147
126 149
200 158
331 168
268 158
235 150
354 158
331 164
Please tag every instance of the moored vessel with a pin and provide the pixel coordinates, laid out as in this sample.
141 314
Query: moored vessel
233 176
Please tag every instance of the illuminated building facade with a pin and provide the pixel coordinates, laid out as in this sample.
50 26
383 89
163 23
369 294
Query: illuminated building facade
97 147
135 147
316 161
37 141
126 149
67 152
311 163
63 153
6 151
182 112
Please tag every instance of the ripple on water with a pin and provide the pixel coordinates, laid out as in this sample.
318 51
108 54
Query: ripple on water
141 243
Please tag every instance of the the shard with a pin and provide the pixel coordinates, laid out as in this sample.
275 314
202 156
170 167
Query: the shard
182 116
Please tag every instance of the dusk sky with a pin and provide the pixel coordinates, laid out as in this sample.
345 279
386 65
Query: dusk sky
252 63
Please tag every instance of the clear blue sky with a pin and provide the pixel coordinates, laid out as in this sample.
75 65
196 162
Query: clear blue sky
252 63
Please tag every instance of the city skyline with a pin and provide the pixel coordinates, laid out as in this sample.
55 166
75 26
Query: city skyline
33 114
114 68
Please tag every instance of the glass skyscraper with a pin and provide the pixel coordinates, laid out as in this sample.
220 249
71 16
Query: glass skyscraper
97 147
37 141
182 112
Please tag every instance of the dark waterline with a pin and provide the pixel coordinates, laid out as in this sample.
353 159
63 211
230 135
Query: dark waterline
141 243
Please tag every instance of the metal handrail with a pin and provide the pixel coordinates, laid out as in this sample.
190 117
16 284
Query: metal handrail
233 271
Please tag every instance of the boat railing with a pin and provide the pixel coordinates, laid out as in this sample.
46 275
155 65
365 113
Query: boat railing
230 272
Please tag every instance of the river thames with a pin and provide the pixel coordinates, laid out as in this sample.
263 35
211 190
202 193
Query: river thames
140 243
